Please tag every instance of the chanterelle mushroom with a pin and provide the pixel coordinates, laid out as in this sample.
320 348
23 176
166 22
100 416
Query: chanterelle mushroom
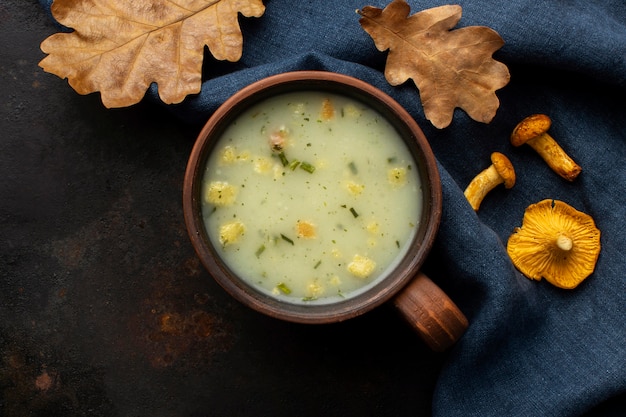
556 242
500 171
533 131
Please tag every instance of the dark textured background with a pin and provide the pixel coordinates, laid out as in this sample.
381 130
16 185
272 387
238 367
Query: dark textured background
105 309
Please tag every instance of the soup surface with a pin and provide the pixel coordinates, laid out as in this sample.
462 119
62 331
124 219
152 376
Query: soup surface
311 197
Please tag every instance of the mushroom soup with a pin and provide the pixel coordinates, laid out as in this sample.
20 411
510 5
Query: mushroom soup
311 197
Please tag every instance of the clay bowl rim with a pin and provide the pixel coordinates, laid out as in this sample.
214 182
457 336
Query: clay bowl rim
333 83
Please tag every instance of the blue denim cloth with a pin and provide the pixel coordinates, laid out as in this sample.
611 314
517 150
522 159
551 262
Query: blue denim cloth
531 349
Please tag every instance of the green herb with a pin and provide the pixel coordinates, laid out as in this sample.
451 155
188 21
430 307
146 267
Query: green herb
354 213
391 160
310 298
353 169
260 250
317 264
286 239
398 244
307 167
294 164
283 288
283 159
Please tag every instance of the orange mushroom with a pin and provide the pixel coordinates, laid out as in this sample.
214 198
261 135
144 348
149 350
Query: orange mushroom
533 131
556 242
500 171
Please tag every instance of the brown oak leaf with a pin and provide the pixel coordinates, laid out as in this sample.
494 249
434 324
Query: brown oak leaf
120 47
451 68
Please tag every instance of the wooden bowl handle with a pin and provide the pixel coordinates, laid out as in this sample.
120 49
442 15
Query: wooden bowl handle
438 321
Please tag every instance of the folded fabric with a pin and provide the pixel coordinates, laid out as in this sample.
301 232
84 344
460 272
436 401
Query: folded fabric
531 349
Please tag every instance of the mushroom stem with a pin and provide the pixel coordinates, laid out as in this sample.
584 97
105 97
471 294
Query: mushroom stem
555 156
480 186
499 172
564 242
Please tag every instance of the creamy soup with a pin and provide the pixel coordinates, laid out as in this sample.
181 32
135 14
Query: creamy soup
311 197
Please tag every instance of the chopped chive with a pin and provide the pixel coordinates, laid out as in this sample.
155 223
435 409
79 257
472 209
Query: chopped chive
294 164
392 159
283 288
398 244
353 169
260 250
354 213
283 159
286 239
307 167
310 298
317 264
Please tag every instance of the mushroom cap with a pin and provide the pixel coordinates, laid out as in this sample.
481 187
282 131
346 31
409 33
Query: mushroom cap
505 169
537 248
530 128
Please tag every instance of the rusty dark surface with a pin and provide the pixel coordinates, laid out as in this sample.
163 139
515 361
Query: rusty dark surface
105 309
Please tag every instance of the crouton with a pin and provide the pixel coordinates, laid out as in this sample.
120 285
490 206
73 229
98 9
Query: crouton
354 188
229 155
397 176
314 289
263 165
361 266
220 193
231 232
305 229
372 227
328 110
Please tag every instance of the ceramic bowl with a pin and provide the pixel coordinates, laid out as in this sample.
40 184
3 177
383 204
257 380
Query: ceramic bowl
406 268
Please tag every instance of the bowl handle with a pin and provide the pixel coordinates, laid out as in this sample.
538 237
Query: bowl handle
434 316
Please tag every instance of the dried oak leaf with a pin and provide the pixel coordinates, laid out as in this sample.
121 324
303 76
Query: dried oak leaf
451 68
120 47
